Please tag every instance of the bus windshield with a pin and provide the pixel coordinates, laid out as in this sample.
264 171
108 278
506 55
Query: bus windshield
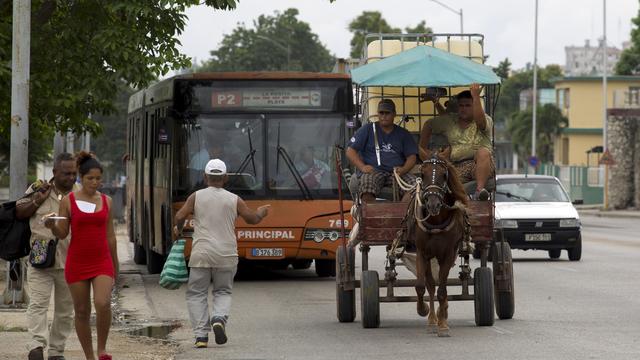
267 156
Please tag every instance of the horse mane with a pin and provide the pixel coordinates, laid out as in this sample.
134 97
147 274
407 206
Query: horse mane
457 190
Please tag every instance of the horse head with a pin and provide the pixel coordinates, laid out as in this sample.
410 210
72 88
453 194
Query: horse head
441 186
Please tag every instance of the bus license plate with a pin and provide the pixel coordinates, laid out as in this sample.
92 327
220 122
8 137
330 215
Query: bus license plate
537 237
267 252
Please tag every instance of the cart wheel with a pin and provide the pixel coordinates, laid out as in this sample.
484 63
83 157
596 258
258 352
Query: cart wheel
483 296
554 253
575 253
345 299
505 300
370 299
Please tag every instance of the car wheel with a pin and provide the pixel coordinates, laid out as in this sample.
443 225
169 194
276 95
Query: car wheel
575 253
554 254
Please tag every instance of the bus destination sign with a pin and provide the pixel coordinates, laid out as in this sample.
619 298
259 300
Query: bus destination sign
266 98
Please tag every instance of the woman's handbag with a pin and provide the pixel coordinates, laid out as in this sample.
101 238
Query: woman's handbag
43 253
175 272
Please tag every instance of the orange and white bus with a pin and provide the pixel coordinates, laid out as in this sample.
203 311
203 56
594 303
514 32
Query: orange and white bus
277 133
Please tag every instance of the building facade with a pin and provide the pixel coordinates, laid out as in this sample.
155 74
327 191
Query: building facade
587 60
580 100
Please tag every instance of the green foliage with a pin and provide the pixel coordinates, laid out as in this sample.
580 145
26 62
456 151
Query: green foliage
111 144
629 63
276 43
509 100
80 51
549 123
373 22
503 69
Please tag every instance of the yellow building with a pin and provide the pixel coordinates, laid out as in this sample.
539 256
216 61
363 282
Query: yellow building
580 99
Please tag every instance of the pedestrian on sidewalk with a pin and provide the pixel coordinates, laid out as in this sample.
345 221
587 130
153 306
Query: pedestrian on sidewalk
214 254
44 198
92 260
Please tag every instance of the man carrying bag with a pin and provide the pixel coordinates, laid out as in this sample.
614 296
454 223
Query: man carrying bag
45 273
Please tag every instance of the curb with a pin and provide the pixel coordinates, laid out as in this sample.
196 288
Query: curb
611 214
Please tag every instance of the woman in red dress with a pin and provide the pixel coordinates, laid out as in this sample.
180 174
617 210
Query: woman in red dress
92 260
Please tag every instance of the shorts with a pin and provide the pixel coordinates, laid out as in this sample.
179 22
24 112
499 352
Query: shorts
374 182
467 170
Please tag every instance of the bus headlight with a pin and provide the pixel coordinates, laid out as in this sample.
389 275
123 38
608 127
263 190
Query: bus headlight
334 236
318 236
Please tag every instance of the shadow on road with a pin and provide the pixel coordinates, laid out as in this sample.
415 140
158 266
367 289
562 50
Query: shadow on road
252 272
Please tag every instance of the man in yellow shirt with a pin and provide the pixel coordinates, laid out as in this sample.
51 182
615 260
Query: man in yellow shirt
469 136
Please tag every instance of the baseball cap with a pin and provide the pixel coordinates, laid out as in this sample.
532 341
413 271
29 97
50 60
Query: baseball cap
387 105
215 167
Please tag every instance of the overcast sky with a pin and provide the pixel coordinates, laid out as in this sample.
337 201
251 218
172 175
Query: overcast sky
508 25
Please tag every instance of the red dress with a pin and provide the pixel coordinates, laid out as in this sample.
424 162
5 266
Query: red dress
89 254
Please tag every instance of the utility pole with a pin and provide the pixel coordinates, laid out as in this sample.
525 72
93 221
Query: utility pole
605 194
535 85
19 150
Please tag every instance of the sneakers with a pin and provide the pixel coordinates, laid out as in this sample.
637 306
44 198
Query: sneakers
56 357
201 342
36 354
219 332
482 195
104 357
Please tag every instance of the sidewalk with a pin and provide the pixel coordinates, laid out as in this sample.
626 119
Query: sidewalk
13 322
596 210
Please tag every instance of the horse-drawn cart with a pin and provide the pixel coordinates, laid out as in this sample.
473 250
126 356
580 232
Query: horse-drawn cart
388 223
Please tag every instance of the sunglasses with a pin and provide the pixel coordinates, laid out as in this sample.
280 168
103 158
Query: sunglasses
384 112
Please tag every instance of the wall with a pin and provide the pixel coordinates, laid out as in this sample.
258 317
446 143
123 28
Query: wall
585 113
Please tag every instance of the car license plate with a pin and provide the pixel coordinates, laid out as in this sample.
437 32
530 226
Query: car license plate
537 237
267 252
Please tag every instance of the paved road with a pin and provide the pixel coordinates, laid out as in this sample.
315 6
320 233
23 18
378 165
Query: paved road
564 310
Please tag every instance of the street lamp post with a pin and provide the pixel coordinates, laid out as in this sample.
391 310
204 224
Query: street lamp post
286 48
534 106
459 13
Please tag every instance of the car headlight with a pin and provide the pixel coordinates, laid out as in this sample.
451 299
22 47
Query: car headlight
570 223
506 224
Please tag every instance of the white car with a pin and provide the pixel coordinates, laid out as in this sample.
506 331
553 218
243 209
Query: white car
535 212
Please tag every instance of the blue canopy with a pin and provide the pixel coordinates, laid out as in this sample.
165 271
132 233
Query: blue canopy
424 66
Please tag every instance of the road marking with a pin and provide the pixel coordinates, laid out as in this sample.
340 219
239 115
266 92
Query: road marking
566 268
501 330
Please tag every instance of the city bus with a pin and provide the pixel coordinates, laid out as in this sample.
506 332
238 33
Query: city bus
279 134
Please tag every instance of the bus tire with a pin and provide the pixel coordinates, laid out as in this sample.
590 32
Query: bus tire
139 255
155 261
325 267
301 264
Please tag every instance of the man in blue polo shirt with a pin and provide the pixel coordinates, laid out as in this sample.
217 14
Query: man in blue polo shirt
376 160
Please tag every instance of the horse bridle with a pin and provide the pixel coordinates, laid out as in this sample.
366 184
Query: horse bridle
433 188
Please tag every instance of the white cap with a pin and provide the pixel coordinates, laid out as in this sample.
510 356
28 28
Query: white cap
215 167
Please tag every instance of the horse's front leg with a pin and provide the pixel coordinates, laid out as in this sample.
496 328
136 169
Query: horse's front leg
420 280
432 320
443 308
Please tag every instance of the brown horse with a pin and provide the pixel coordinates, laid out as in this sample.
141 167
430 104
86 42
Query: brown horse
440 229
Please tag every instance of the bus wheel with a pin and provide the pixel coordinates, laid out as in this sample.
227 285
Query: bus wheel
139 256
325 268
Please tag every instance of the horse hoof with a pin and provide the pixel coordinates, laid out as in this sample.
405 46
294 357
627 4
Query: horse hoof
443 333
422 310
432 328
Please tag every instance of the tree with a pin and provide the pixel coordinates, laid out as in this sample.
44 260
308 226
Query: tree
372 22
549 123
80 52
509 101
279 42
503 69
629 63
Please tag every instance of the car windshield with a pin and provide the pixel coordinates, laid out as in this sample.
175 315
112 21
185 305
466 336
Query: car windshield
530 190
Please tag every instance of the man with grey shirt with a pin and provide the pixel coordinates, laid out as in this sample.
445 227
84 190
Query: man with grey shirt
44 198
214 253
